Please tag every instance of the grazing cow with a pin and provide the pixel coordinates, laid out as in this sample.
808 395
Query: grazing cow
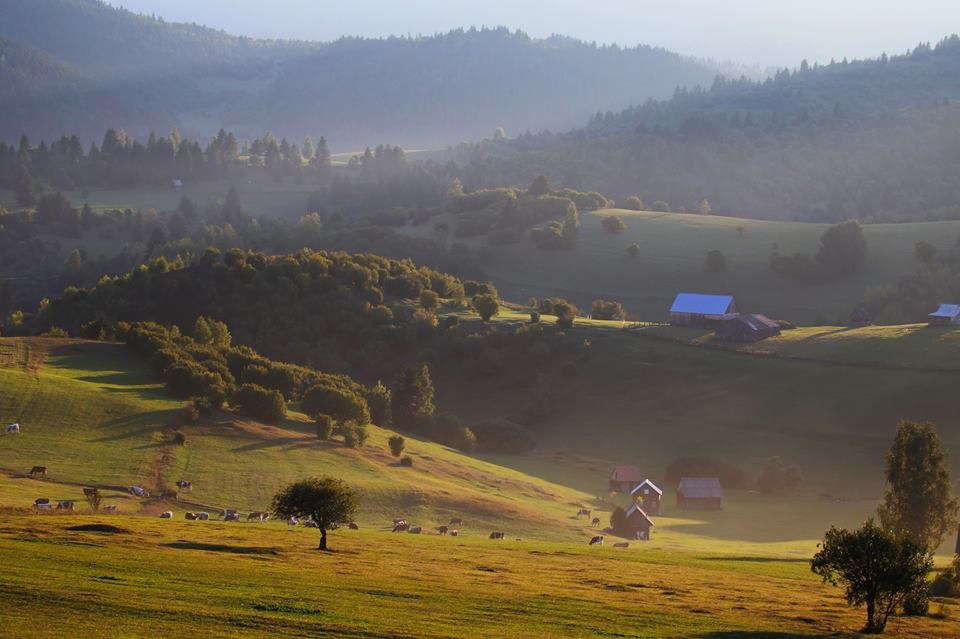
190 516
401 526
416 530
454 533
183 484
232 517
12 429
443 530
595 522
258 516
456 521
136 490
583 512
622 544
40 501
91 492
167 514
112 508
353 526
203 516
38 470
309 523
597 540
64 504
293 521
498 535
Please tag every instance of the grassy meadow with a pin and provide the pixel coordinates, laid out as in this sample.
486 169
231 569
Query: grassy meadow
673 247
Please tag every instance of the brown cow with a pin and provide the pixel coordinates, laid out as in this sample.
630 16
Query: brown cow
353 526
498 535
595 522
597 540
38 470
190 516
258 515
582 512
443 529
456 521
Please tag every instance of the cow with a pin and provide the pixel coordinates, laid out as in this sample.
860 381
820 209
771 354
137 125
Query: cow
112 508
258 515
398 520
401 526
595 522
167 514
456 521
64 504
583 512
443 530
190 516
91 492
293 521
183 484
38 470
622 544
41 501
309 523
137 491
353 526
202 516
597 540
416 530
12 429
454 533
498 535
231 517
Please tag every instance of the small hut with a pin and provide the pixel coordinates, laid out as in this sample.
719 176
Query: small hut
946 315
638 524
624 478
747 328
647 495
699 493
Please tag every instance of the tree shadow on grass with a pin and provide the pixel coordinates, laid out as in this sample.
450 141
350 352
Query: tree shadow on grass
237 550
763 634
138 425
772 560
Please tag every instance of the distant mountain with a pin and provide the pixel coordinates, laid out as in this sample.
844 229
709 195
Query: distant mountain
143 73
874 139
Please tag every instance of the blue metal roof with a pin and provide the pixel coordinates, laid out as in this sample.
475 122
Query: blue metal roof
701 304
947 310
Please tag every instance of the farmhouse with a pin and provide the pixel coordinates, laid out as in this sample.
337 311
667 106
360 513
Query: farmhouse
946 315
647 495
693 309
699 493
624 478
638 524
747 328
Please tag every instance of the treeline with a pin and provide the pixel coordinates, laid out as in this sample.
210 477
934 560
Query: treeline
873 140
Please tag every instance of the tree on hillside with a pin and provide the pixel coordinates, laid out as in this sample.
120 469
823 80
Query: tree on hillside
843 249
618 519
429 300
604 310
633 203
877 569
413 397
325 426
338 401
716 261
704 207
660 207
633 250
24 187
397 443
264 404
210 331
565 312
539 186
327 501
456 189
613 224
918 500
486 306
778 477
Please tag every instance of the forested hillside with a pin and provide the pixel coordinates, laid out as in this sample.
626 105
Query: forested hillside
874 139
148 74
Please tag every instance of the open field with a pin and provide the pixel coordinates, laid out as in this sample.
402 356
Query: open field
176 579
673 247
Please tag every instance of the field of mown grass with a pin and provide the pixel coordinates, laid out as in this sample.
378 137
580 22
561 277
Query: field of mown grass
673 247
180 579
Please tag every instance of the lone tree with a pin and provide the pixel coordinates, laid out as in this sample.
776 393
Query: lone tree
843 249
633 250
412 398
397 444
918 501
877 568
486 306
633 203
716 261
326 500
613 224
539 186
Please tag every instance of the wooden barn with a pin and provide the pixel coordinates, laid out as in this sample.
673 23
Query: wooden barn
747 327
946 315
624 478
647 495
638 524
694 309
699 493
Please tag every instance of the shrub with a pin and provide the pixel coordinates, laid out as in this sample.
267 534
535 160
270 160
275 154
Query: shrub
429 300
633 203
486 306
397 444
660 207
534 317
565 312
325 426
55 331
339 402
260 403
604 310
378 401
190 413
448 430
406 461
179 438
633 250
354 434
94 499
613 224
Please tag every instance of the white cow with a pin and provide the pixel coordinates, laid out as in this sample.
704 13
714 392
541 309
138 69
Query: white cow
293 521
167 514
203 516
309 523
136 490
12 429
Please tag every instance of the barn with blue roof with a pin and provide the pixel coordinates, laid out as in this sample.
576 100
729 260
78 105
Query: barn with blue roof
945 315
695 309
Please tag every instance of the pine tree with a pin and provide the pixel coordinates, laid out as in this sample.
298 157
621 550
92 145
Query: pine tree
413 397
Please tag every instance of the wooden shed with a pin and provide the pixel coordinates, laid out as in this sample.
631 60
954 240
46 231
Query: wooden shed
699 493
746 327
694 309
647 495
946 315
638 524
624 478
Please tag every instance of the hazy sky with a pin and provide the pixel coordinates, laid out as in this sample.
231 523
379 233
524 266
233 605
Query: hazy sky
756 32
